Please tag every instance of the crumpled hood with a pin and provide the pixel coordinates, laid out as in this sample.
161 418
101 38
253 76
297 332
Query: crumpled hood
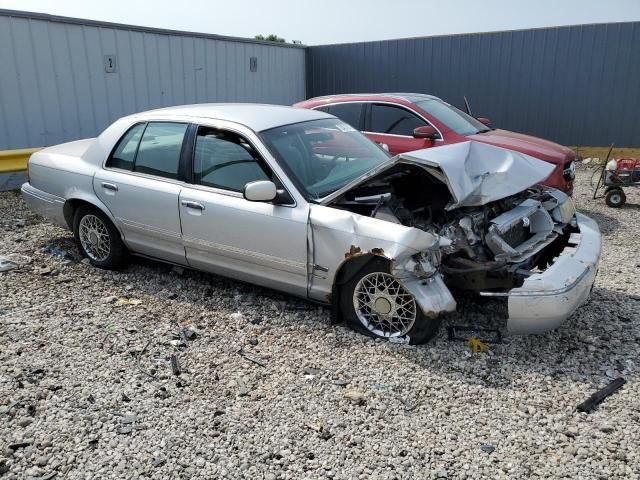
476 173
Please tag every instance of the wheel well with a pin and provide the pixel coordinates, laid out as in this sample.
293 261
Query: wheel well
71 206
347 270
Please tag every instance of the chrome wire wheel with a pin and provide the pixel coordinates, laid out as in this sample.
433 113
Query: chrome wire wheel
383 305
94 238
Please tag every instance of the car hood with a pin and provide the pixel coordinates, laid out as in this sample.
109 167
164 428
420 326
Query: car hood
534 146
475 173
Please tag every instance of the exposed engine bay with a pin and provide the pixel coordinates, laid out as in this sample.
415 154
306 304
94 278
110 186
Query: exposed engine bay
495 246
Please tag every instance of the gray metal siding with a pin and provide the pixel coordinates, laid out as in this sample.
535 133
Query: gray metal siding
577 85
54 88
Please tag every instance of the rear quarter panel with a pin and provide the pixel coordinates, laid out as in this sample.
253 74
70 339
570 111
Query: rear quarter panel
61 174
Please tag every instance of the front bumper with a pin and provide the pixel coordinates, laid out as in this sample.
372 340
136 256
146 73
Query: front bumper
49 206
547 299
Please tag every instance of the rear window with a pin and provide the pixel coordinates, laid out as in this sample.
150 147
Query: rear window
347 112
153 148
125 153
159 150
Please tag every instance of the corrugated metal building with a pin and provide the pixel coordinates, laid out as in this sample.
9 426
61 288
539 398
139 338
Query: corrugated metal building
63 78
578 85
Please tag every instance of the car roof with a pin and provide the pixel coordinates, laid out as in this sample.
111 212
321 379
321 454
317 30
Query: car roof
258 117
408 97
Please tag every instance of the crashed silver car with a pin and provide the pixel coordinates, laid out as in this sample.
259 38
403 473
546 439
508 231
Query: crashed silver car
299 201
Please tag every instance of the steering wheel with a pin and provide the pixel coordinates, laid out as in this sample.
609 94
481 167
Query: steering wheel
335 158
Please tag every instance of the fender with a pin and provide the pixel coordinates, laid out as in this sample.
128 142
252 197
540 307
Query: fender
83 197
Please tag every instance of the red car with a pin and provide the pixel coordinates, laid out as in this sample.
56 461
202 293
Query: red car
413 121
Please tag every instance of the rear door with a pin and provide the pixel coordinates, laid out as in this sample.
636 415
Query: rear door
393 126
140 186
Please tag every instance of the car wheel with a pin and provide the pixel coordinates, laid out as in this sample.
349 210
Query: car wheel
98 239
615 198
375 303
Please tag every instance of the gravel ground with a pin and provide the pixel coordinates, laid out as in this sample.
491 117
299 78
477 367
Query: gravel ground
269 389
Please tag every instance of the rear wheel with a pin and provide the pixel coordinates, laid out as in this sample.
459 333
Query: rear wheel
615 198
98 239
375 303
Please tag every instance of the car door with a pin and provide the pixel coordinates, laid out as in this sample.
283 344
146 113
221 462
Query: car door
139 185
393 126
259 242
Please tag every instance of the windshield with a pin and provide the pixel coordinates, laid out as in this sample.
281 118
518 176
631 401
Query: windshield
322 156
455 119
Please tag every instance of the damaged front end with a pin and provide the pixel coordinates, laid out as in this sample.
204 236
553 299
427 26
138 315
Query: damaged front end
412 256
486 232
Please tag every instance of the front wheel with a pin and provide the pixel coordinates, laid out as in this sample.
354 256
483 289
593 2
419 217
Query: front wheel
615 198
375 303
98 239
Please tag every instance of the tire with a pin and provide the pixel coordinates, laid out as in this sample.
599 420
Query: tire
98 239
416 328
615 198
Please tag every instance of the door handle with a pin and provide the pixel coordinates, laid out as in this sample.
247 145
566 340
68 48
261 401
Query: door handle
110 186
192 204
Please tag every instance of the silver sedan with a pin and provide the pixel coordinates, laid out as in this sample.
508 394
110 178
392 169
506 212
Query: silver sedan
299 201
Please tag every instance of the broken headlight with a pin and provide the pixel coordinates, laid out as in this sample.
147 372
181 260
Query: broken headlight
569 172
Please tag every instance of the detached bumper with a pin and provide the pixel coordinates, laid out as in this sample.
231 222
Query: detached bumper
545 300
49 206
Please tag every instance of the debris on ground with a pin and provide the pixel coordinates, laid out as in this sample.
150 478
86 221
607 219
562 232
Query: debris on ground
592 402
356 396
488 449
462 333
478 346
129 301
243 354
6 264
61 252
243 389
175 365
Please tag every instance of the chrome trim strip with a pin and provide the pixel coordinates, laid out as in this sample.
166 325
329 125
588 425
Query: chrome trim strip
234 252
142 227
41 195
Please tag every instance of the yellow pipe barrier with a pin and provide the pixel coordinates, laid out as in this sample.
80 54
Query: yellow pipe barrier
15 160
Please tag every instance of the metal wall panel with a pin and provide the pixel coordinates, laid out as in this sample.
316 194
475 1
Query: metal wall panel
54 87
577 85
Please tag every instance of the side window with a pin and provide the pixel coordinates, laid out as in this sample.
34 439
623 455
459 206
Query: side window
348 113
393 120
226 160
159 150
125 152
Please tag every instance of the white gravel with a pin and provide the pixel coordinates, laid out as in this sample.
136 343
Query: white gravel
87 389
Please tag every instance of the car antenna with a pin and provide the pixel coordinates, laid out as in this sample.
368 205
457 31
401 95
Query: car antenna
467 107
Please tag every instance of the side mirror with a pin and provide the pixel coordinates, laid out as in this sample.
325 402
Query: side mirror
484 121
426 131
260 191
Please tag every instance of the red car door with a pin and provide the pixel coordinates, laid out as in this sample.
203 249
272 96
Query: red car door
393 126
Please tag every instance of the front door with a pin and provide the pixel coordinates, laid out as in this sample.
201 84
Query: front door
393 126
139 186
258 242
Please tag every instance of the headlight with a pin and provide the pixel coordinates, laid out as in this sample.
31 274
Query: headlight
569 171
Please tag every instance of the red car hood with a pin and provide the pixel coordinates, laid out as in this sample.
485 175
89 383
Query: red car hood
534 146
